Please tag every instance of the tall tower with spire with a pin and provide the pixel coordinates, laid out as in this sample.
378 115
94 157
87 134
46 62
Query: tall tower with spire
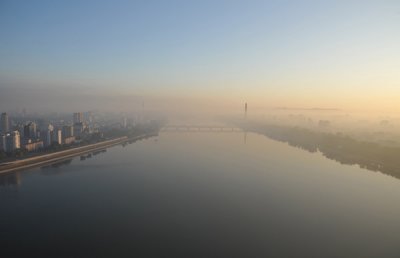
245 110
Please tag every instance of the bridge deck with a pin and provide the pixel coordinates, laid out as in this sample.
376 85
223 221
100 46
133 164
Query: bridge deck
201 128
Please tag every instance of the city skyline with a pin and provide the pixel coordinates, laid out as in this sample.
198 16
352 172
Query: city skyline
24 135
200 128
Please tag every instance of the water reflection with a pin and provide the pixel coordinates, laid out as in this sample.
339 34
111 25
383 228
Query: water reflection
57 164
52 168
13 179
201 195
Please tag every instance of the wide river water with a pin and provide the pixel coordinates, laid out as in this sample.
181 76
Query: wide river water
200 195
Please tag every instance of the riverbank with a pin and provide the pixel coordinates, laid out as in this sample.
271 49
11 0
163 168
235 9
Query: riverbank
65 154
338 147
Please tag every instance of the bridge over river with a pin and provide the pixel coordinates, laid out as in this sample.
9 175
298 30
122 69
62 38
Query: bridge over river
200 128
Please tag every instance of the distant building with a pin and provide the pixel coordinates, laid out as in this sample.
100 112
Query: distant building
56 136
13 141
30 130
2 142
78 117
78 129
4 123
20 128
45 136
88 116
33 145
69 140
50 127
324 123
67 131
384 123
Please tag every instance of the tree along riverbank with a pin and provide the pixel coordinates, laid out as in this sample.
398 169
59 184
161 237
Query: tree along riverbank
338 147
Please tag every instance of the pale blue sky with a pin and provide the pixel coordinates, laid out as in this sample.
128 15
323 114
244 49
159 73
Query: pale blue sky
250 48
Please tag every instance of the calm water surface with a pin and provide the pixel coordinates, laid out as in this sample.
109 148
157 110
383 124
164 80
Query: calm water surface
200 195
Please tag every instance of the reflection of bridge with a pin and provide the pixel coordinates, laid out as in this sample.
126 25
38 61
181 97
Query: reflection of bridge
200 128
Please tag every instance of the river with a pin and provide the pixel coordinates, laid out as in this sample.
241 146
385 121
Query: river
200 194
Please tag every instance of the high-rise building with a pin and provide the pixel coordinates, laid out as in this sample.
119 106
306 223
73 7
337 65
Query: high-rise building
30 131
20 128
67 131
13 141
26 132
5 123
78 129
2 142
56 136
78 117
45 135
50 127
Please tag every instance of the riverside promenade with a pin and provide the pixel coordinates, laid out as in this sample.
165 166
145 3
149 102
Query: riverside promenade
65 154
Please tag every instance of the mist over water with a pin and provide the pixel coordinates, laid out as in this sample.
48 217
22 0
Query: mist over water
274 125
201 194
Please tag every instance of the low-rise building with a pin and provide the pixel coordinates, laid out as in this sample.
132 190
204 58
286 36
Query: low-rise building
69 140
33 145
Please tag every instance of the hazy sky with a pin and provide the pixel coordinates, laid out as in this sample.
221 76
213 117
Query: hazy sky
343 54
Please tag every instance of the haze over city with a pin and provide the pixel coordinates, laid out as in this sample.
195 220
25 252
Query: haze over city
224 128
